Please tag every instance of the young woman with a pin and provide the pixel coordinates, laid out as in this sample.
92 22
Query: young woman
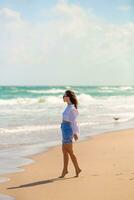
69 130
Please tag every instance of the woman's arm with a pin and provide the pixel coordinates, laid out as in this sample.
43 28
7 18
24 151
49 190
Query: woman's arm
73 115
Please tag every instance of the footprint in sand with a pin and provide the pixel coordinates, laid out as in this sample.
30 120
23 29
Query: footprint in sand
95 175
131 179
118 174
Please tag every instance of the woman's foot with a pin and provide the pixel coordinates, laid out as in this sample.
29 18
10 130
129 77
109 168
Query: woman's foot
63 174
78 172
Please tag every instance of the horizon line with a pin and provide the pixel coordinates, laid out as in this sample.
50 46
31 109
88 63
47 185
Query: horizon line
63 85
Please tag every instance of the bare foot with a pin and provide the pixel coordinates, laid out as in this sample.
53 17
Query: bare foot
63 174
78 172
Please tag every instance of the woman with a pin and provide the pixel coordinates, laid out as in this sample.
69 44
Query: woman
69 130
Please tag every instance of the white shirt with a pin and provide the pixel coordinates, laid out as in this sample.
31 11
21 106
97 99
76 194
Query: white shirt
70 114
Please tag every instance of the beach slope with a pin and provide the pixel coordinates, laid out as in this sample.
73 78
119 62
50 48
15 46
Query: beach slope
107 163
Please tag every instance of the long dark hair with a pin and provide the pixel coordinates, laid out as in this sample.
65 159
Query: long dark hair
72 97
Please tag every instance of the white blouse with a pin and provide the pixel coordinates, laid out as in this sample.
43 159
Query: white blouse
70 114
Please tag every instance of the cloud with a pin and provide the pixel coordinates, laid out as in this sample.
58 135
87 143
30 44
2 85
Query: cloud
124 8
72 39
9 14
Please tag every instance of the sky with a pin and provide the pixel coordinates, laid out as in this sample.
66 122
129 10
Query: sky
66 42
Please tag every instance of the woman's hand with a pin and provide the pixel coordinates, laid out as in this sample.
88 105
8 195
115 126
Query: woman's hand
75 136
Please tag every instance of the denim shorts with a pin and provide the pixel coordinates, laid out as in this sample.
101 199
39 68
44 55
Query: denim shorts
67 133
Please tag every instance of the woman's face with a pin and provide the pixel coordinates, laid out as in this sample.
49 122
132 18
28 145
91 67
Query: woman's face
66 98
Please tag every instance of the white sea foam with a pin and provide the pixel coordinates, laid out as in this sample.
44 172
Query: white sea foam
32 101
101 90
54 99
36 128
18 101
108 88
87 123
44 104
104 88
27 129
126 88
112 89
51 91
85 99
106 91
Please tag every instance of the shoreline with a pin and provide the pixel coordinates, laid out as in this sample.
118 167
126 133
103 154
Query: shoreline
31 157
34 175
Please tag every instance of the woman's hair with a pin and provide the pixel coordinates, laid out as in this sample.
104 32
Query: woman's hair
72 97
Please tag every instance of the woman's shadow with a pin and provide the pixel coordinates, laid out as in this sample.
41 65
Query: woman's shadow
39 183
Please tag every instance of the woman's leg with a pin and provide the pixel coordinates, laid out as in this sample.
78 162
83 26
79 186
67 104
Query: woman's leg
69 149
65 161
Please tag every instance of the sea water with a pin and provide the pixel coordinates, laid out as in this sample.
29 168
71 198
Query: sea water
30 118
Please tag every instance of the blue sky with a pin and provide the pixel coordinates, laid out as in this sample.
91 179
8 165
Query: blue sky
43 41
106 9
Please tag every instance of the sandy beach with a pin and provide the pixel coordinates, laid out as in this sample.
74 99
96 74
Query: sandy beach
107 163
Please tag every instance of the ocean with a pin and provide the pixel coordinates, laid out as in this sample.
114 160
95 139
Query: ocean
30 118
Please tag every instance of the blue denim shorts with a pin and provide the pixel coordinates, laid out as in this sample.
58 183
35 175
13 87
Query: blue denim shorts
67 133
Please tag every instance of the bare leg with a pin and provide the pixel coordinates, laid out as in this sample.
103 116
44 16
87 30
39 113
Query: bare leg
65 161
69 149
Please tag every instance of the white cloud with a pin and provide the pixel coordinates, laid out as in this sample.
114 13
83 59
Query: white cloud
9 13
73 39
124 8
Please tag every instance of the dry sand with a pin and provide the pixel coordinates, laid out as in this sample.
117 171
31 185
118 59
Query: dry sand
107 163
